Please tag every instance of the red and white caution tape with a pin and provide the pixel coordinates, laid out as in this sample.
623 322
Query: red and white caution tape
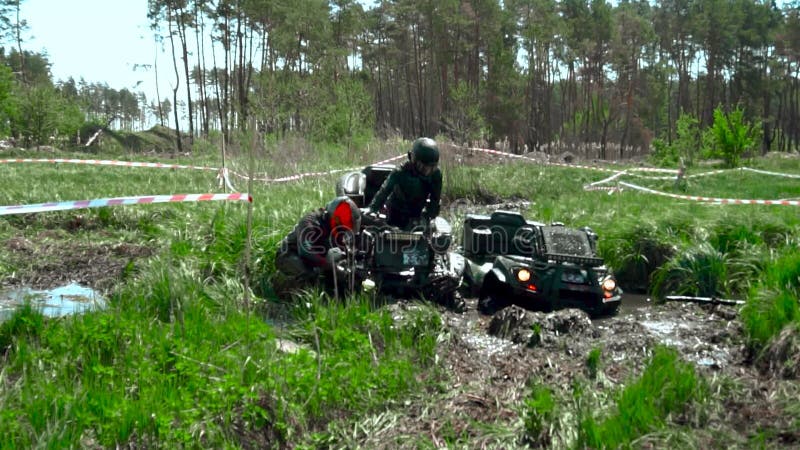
573 166
224 180
610 189
721 201
107 162
138 200
777 174
595 185
721 171
299 176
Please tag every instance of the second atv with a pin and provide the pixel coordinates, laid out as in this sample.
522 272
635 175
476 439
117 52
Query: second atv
511 260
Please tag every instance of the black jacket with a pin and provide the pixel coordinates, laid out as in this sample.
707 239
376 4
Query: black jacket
405 193
310 239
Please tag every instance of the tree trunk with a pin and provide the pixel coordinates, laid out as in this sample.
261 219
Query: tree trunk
178 142
185 56
199 40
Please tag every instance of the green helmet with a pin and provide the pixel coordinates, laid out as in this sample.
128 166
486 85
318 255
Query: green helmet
425 151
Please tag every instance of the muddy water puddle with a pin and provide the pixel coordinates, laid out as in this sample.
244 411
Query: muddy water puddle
60 301
700 335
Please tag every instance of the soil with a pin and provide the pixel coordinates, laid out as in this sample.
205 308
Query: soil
54 257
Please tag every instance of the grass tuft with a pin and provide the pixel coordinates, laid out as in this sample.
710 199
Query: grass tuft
665 390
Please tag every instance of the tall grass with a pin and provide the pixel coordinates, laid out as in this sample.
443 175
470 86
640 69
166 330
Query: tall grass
773 301
666 390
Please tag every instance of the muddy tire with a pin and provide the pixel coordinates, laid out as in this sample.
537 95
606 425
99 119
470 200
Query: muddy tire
608 311
493 297
454 302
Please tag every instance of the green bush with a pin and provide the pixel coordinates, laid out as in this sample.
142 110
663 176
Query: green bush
731 136
699 271
686 146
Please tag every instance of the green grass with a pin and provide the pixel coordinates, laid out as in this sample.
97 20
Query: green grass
174 357
666 390
772 304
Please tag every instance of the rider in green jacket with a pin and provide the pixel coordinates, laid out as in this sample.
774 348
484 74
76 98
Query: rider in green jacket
412 191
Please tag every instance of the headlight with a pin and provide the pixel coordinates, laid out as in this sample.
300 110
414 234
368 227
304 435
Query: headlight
524 275
609 284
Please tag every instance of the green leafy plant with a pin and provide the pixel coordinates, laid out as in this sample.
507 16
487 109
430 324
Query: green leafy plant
540 412
732 136
686 145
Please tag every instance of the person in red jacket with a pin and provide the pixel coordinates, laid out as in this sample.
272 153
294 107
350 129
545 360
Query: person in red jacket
314 245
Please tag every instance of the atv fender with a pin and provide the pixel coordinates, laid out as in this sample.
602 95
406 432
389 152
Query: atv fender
498 274
494 294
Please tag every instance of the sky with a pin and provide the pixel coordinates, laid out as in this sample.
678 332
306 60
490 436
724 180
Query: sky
101 41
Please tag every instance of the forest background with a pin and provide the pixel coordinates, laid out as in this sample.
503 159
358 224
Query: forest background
530 74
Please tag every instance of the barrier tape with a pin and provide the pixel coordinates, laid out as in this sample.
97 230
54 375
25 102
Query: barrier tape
573 166
777 174
603 181
311 174
610 189
630 171
116 201
721 201
224 180
107 162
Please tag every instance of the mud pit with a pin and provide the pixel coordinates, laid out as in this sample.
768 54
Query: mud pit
489 375
52 258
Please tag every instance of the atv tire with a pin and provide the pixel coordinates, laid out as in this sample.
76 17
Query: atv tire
490 305
493 297
454 302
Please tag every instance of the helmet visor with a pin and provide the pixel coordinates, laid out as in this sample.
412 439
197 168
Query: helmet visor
425 170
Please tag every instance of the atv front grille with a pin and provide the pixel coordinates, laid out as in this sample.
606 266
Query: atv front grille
583 298
590 261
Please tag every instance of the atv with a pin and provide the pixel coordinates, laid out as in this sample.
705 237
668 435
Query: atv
362 185
511 260
397 262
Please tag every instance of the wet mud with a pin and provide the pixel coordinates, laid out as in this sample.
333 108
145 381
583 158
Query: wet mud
55 258
492 361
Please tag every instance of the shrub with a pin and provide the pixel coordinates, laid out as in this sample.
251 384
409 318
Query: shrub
700 271
731 136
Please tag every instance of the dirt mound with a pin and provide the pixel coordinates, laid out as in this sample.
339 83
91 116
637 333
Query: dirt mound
782 356
536 328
